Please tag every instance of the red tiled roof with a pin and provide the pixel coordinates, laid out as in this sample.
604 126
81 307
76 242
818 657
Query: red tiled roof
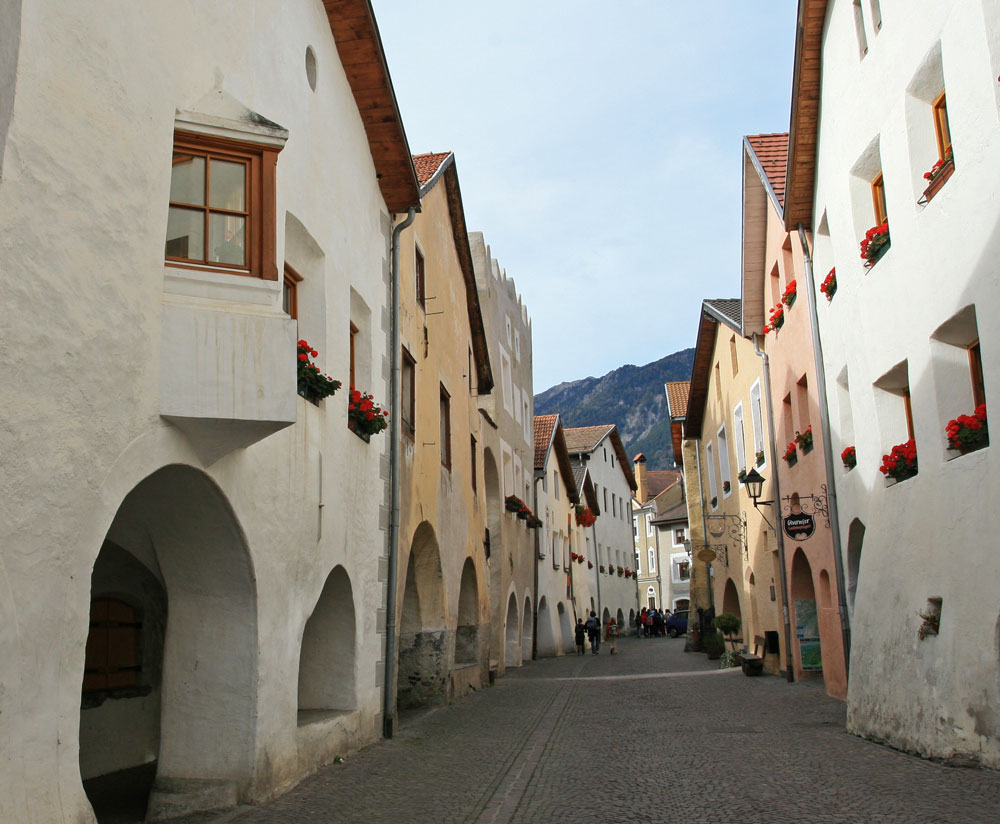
677 398
544 424
658 481
772 152
585 438
427 164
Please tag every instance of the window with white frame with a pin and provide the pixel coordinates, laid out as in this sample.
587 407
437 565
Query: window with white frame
757 415
555 484
713 489
724 462
680 534
649 525
635 526
739 439
680 568
652 559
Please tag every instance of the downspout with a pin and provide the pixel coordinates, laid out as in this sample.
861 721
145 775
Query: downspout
789 668
704 526
824 420
597 568
534 597
395 404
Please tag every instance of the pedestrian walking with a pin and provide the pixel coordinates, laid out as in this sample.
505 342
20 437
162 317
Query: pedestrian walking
657 623
638 623
611 634
581 637
594 632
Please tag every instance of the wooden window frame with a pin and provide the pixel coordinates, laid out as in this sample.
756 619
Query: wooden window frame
908 412
290 289
976 372
475 484
99 672
878 200
407 406
445 406
942 129
420 277
354 334
260 208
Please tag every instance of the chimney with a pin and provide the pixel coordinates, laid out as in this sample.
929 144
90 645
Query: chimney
639 468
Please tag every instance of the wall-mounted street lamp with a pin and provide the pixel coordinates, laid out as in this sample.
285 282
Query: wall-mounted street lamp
754 483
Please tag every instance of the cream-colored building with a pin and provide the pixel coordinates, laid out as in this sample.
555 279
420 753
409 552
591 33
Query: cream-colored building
659 530
193 557
443 592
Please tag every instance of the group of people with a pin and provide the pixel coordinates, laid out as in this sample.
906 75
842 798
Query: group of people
591 630
651 622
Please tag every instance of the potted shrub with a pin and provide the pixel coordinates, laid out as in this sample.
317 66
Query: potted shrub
875 244
791 456
967 433
788 298
365 417
829 285
313 385
805 440
729 625
901 462
938 176
850 458
714 645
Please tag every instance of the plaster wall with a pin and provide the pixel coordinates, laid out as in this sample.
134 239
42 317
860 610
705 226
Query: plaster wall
561 537
923 537
513 550
83 206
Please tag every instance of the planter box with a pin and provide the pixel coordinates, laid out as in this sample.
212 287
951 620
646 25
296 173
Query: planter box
946 171
363 435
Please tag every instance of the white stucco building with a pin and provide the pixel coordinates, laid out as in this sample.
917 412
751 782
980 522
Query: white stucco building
165 244
907 347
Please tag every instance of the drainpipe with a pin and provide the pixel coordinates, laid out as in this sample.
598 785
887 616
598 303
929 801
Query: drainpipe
395 404
704 530
597 569
789 668
534 599
824 420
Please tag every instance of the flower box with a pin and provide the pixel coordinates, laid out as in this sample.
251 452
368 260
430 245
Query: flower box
513 504
715 502
788 298
901 462
726 486
313 385
937 177
760 458
776 319
829 285
590 564
742 475
805 440
791 455
364 416
584 516
967 433
875 244
850 458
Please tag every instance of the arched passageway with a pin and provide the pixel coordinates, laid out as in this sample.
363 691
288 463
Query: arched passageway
422 667
169 684
605 617
731 603
546 636
565 628
620 618
467 628
512 640
631 617
327 657
526 631
855 540
806 623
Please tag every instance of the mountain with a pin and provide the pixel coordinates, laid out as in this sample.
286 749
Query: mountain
631 397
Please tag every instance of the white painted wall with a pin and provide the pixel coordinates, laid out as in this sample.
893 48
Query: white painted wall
930 536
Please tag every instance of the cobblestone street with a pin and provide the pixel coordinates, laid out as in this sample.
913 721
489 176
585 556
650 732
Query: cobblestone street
649 735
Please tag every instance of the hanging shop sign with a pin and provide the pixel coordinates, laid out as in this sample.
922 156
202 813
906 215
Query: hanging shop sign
799 526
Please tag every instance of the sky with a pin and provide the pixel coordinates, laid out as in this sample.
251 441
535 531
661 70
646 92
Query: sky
599 150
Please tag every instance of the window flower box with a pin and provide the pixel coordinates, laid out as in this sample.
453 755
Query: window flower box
776 319
829 285
788 298
365 417
760 458
742 475
850 458
901 462
715 502
601 568
805 440
938 176
513 504
875 244
590 564
584 517
313 385
726 486
967 433
791 456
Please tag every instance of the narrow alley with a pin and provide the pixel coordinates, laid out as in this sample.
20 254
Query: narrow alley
648 735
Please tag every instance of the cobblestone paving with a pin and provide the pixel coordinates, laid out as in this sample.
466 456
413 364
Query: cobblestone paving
648 735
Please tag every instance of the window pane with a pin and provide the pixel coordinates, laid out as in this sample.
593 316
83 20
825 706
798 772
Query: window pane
227 239
187 179
186 233
227 185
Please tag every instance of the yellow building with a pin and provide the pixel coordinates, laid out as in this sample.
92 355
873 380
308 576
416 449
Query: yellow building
442 594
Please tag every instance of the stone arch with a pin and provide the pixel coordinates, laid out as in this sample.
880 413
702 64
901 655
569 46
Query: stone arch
327 674
825 595
546 636
855 540
605 617
177 554
467 625
526 627
805 613
631 617
620 618
565 628
754 626
512 641
422 668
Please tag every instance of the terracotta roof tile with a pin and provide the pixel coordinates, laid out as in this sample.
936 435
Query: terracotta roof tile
659 480
677 398
772 152
427 164
585 438
544 424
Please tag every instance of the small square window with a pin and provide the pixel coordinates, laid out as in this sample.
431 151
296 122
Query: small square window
421 279
290 292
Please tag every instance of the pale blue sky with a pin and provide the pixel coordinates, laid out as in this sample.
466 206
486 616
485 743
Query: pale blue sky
599 151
